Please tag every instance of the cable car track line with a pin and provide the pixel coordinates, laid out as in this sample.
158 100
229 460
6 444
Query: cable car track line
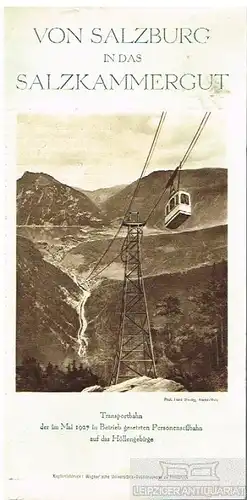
150 154
192 144
195 138
151 150
107 265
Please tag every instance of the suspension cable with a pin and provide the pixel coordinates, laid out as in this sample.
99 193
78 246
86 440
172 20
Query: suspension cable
103 254
150 154
109 263
195 138
151 150
192 144
168 184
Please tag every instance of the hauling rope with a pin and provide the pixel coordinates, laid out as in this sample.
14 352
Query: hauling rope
146 164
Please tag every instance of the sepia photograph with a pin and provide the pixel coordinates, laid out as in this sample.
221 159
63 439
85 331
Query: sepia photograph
121 252
124 162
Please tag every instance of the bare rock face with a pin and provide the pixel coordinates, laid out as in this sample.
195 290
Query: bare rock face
141 384
93 388
47 320
42 200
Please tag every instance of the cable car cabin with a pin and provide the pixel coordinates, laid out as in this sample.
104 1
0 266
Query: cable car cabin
178 209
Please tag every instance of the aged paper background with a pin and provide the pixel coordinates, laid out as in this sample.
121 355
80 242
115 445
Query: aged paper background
33 456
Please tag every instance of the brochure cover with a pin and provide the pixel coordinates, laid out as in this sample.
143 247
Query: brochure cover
124 173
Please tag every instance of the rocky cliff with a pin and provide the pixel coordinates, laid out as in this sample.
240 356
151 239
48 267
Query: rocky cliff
42 200
47 320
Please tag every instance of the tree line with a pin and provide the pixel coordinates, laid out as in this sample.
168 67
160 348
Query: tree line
33 376
197 349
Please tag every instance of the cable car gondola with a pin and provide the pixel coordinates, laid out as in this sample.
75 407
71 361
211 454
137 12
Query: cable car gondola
178 209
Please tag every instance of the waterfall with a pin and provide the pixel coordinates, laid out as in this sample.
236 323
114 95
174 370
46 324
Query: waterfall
81 337
82 340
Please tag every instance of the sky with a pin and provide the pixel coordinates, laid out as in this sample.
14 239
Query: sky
98 151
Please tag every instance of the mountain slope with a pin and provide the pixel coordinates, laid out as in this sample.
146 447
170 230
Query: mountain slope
208 189
47 322
41 200
99 196
104 308
167 252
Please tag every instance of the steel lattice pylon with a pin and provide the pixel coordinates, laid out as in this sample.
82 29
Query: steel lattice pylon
135 354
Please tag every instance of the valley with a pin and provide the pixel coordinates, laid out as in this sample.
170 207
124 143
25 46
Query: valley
61 234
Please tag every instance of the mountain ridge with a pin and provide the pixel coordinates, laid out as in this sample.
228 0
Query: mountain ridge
207 187
100 195
179 252
42 199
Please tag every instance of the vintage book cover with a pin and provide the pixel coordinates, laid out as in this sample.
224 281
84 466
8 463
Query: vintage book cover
124 263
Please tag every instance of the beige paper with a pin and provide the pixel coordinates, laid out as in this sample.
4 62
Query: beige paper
130 273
